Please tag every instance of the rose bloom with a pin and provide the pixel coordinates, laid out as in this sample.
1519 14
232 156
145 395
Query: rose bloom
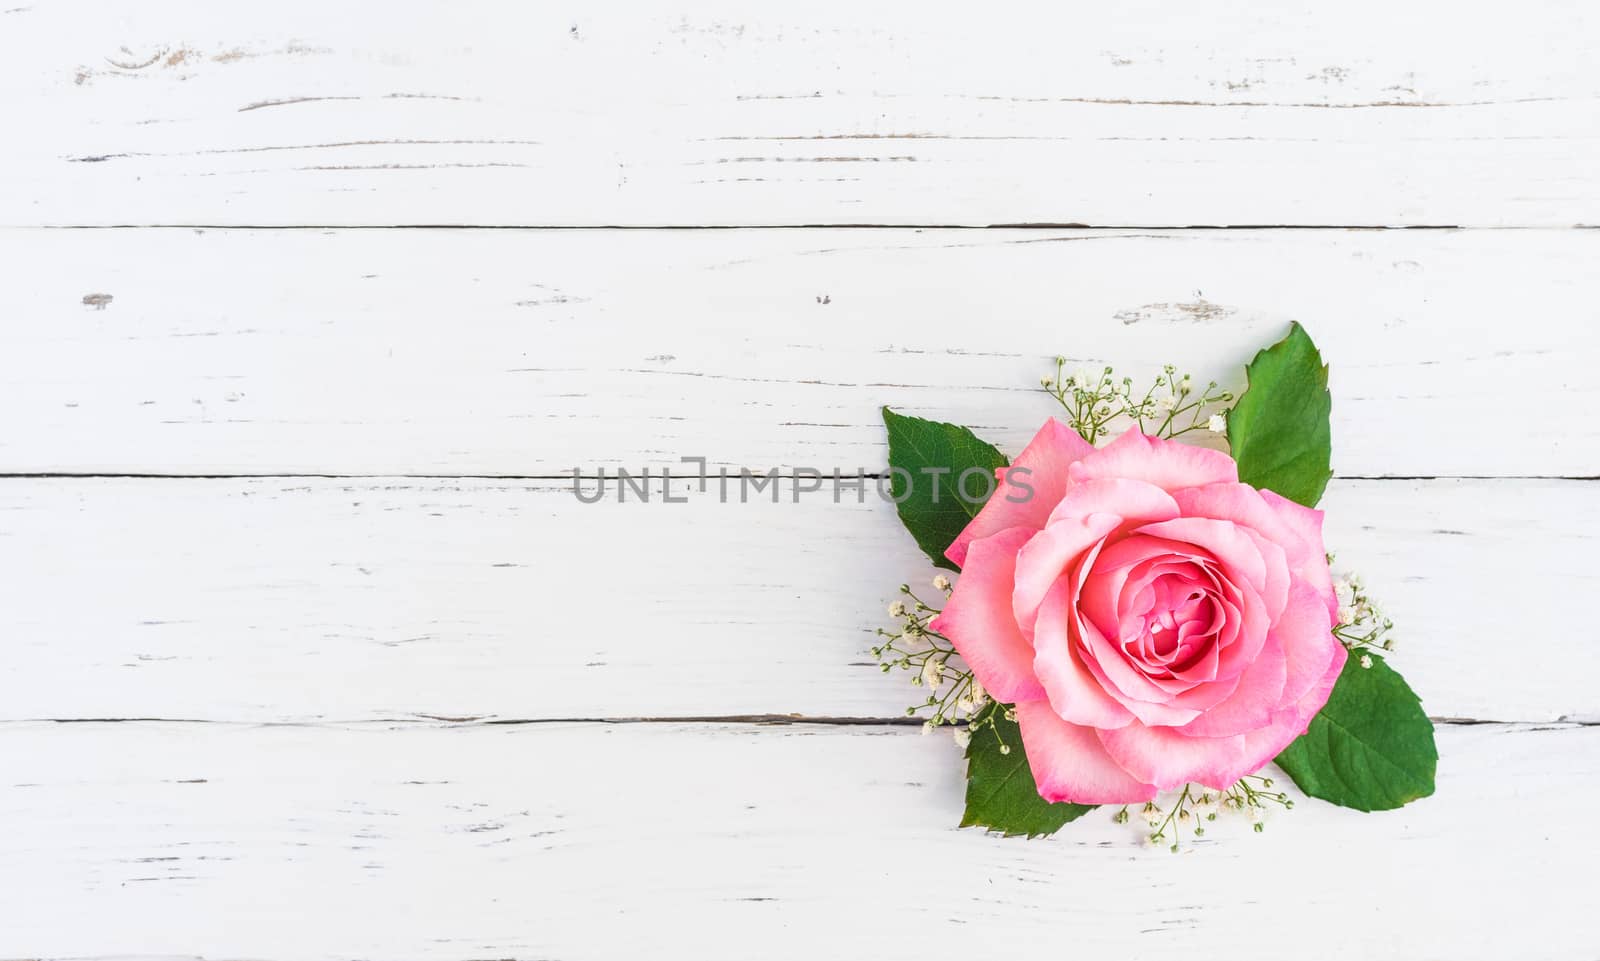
1155 621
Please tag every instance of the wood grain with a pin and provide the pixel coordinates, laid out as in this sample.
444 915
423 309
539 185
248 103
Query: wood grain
1132 114
537 352
278 600
723 842
405 696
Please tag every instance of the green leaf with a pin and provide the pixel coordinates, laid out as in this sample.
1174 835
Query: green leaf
1001 795
930 505
1278 431
1370 747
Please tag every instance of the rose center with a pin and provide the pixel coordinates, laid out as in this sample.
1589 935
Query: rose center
1176 625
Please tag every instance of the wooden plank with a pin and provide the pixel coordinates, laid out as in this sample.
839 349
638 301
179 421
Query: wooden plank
534 352
298 112
594 841
295 600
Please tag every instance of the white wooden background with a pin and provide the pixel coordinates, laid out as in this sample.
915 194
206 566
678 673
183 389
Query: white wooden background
310 652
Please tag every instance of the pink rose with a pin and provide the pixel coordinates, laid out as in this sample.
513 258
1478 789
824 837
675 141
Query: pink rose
1155 621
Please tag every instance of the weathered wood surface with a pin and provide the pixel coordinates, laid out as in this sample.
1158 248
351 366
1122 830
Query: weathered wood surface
376 714
534 352
727 842
1135 113
314 600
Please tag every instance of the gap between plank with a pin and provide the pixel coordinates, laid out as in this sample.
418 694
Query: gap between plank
1016 226
1040 225
638 475
758 720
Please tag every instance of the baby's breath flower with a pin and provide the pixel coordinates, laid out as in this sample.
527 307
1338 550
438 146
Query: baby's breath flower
1217 424
1361 623
1196 804
1096 402
897 609
1366 660
933 672
941 583
962 736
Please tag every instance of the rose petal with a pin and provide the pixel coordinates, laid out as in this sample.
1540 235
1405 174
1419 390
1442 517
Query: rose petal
1307 522
1070 764
1275 593
1201 668
1203 697
1138 548
1110 601
1295 529
1258 694
1307 641
1168 759
1046 459
977 618
1266 743
1224 540
1106 597
1047 556
1074 693
1131 500
1170 465
1248 627
1144 697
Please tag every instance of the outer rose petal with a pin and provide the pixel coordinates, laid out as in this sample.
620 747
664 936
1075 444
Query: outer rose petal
1168 464
1267 743
1276 593
1307 522
977 619
1074 693
1167 759
1245 506
1047 457
1131 500
1069 763
1309 642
